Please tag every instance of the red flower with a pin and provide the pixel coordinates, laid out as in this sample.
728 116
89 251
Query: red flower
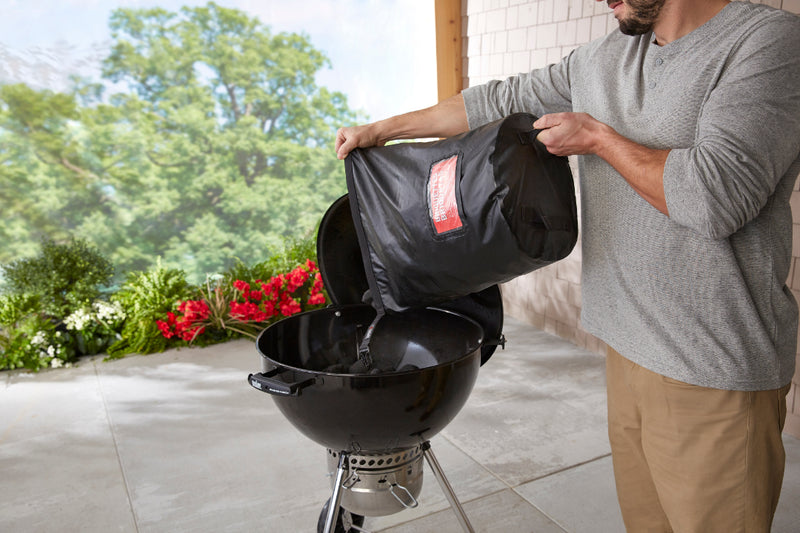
316 298
296 278
191 334
289 306
194 310
238 310
250 311
241 286
317 283
255 295
271 289
165 328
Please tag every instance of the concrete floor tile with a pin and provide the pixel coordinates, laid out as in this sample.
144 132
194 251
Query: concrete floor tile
527 439
502 511
537 364
582 499
58 459
67 484
34 402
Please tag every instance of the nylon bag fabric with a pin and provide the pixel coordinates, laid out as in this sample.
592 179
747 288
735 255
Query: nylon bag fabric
440 220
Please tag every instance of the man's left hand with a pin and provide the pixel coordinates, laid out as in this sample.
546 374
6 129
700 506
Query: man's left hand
569 133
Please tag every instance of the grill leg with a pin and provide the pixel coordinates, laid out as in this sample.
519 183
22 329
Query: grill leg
336 498
446 487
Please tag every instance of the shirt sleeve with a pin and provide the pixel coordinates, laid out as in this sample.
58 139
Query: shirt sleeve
542 91
747 138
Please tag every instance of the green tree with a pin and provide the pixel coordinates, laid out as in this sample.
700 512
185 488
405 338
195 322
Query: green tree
220 149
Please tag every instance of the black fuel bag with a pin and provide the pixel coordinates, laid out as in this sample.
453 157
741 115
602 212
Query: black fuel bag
439 220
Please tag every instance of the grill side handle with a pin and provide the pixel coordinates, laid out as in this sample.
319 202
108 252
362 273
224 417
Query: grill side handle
266 382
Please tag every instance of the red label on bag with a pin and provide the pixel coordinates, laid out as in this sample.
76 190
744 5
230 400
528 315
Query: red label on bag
442 195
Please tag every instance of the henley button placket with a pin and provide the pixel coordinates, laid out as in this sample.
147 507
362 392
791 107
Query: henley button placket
658 62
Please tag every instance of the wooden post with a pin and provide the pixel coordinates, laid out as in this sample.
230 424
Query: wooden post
448 47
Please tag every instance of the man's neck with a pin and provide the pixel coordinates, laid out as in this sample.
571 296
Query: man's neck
682 17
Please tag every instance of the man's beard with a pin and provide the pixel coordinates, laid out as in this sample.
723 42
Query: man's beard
642 16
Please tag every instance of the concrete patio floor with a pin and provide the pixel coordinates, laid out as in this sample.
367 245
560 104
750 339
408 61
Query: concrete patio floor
178 442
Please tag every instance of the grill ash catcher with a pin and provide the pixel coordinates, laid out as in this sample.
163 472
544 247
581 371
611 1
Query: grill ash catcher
411 259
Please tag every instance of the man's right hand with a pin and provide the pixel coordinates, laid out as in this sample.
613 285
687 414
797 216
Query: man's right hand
355 137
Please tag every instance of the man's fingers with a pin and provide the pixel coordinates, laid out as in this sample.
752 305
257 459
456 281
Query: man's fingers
344 143
548 121
343 150
543 137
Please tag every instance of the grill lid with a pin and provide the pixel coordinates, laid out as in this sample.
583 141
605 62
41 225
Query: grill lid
340 263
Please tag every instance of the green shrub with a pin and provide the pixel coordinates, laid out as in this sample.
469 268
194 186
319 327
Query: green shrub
147 297
64 277
49 312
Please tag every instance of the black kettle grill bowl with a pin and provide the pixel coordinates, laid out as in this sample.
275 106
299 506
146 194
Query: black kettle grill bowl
427 361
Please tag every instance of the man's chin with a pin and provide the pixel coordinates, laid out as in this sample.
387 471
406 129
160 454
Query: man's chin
634 28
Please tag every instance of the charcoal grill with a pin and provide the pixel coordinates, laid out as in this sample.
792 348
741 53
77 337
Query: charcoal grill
376 423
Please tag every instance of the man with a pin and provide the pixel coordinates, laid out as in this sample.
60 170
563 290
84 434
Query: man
687 124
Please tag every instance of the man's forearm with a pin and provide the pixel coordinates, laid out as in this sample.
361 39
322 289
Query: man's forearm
445 119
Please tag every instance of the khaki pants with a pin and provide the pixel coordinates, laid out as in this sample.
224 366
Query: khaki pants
689 459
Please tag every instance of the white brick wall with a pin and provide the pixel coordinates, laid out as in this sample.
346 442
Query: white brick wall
504 37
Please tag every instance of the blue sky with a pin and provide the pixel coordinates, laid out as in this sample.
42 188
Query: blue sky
382 51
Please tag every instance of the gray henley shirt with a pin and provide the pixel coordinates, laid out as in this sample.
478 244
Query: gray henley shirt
698 296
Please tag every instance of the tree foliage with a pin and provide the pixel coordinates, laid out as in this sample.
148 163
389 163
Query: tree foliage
216 146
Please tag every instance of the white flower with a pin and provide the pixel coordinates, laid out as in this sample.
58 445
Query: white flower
39 338
56 363
78 320
106 311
